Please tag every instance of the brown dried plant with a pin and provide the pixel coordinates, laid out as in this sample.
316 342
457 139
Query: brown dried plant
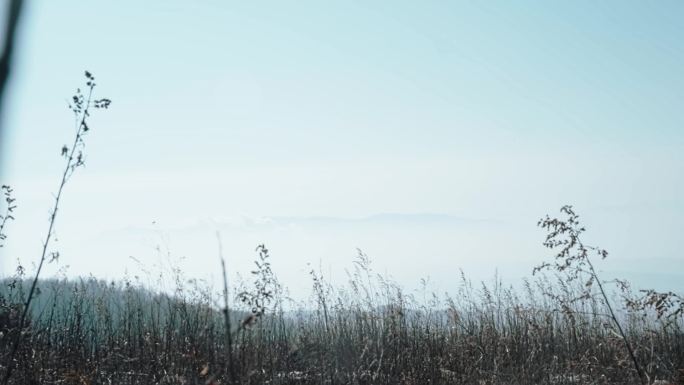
573 260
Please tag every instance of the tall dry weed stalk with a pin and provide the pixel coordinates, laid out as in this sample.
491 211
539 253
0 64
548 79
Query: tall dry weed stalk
226 311
80 105
573 260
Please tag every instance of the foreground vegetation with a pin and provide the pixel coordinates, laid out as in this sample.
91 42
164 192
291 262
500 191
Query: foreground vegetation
367 332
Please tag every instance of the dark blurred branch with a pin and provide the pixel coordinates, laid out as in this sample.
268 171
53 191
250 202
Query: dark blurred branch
11 23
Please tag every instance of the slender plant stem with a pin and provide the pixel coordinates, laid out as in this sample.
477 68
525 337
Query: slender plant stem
226 312
642 377
46 244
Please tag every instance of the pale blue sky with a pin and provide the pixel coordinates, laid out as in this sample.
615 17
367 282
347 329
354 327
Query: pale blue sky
500 112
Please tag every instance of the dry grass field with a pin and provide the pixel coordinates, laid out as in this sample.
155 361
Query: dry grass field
366 332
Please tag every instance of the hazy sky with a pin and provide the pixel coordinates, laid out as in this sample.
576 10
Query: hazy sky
253 117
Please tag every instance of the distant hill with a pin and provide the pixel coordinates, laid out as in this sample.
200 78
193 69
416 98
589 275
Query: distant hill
61 297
